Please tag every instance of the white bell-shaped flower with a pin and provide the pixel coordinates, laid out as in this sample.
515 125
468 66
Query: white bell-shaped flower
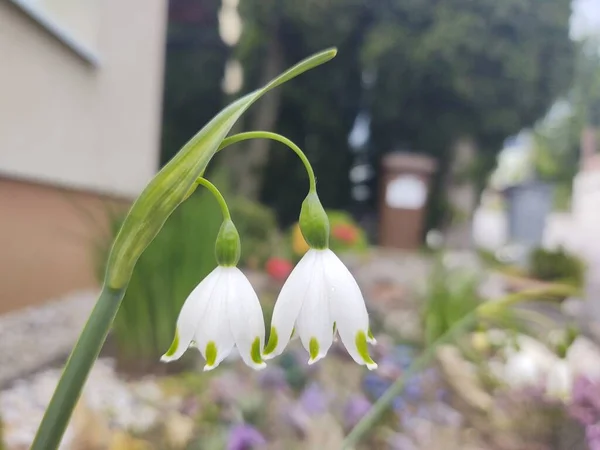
320 296
223 311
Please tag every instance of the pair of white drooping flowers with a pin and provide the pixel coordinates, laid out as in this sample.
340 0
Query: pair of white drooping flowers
319 299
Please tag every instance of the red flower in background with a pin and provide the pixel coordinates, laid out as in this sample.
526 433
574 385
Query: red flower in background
345 232
279 268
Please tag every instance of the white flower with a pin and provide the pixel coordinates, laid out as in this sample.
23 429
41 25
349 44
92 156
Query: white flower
319 296
222 311
560 381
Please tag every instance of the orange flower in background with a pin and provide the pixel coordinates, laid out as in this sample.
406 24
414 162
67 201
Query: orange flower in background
345 232
299 245
279 268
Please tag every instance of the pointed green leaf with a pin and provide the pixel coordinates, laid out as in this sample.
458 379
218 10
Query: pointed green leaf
170 186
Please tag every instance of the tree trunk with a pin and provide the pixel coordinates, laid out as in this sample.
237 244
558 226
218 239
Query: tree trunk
247 169
462 195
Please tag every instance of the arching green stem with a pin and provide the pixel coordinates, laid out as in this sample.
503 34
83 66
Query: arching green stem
216 193
275 137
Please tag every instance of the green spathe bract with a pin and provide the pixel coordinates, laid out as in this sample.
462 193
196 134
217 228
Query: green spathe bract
172 184
314 223
145 219
227 247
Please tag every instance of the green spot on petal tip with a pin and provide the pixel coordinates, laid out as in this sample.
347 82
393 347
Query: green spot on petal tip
363 349
272 344
255 351
174 345
313 348
211 353
370 335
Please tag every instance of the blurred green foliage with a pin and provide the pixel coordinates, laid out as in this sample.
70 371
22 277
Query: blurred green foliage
1 434
557 137
452 294
173 264
427 73
557 266
258 230
346 234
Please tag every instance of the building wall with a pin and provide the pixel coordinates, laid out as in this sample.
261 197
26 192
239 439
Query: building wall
48 238
74 133
67 122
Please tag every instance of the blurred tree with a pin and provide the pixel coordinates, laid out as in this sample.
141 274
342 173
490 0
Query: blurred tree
317 110
458 68
194 67
558 136
443 71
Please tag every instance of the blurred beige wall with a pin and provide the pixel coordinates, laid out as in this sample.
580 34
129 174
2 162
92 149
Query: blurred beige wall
74 132
69 123
47 241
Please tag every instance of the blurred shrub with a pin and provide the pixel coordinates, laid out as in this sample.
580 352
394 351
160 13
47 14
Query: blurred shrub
345 235
556 265
173 264
451 295
258 230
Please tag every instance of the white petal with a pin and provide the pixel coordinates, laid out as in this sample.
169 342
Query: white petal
560 381
246 319
213 334
348 309
288 304
314 324
192 311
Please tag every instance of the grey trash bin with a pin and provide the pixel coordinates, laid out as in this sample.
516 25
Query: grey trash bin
528 207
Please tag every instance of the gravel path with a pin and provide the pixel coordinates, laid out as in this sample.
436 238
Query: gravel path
37 336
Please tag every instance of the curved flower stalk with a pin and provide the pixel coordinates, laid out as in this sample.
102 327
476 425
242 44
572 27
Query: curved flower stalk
162 195
223 311
320 297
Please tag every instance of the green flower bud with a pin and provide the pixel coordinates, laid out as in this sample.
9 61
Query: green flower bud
314 222
227 247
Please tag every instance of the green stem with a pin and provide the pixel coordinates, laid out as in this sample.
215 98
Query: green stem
275 137
87 348
550 292
486 310
384 402
218 196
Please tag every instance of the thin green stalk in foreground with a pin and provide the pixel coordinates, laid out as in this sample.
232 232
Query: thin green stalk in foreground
422 361
76 370
275 137
486 311
217 195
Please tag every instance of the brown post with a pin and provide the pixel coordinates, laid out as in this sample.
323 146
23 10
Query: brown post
404 191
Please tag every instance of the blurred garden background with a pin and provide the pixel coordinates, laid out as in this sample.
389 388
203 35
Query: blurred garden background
456 149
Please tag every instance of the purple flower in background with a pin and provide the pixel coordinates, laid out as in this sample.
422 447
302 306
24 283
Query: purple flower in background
244 437
356 407
314 400
412 388
273 378
585 408
592 434
399 405
374 385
